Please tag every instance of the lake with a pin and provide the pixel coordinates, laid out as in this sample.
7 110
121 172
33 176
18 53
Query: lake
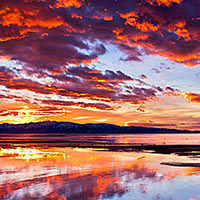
47 170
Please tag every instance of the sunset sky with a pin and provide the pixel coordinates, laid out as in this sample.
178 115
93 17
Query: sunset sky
125 62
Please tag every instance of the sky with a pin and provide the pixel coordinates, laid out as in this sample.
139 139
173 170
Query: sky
124 62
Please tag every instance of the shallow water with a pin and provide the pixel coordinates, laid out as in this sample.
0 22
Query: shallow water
91 174
158 139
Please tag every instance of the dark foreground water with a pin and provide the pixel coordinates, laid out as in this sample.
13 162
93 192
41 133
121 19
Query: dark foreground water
29 171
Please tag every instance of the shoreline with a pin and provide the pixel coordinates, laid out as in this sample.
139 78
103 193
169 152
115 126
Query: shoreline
101 134
181 150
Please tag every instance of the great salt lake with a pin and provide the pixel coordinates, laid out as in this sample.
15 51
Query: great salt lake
31 167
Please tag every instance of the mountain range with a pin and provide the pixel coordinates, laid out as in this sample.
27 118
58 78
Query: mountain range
69 127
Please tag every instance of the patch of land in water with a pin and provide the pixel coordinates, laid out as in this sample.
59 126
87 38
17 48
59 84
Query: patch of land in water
180 164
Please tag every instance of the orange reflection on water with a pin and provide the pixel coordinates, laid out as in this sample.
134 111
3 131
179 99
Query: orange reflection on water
75 173
28 153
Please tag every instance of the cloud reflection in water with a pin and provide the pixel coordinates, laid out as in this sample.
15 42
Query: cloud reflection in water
67 173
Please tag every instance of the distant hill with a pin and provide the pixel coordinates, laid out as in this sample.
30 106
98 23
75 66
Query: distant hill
69 127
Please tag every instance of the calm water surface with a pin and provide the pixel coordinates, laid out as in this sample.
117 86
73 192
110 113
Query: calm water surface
161 139
66 173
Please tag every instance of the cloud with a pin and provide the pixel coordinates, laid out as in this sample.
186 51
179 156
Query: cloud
170 91
78 118
7 113
143 76
141 110
68 3
152 124
134 19
193 97
98 106
163 2
133 53
146 124
51 52
108 86
69 27
5 73
168 88
55 43
155 70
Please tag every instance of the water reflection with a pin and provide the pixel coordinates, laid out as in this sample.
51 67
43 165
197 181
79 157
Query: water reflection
78 139
86 174
28 153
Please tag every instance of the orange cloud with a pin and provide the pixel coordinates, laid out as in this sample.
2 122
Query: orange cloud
180 30
132 18
163 2
68 3
193 97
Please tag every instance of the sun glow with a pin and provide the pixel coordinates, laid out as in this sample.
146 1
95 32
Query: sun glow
18 116
29 154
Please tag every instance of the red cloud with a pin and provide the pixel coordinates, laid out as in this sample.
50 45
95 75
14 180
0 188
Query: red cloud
126 24
140 110
193 97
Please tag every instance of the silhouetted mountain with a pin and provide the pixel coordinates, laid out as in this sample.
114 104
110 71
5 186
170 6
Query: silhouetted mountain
69 127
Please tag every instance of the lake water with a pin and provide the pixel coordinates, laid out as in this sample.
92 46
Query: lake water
159 139
45 172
